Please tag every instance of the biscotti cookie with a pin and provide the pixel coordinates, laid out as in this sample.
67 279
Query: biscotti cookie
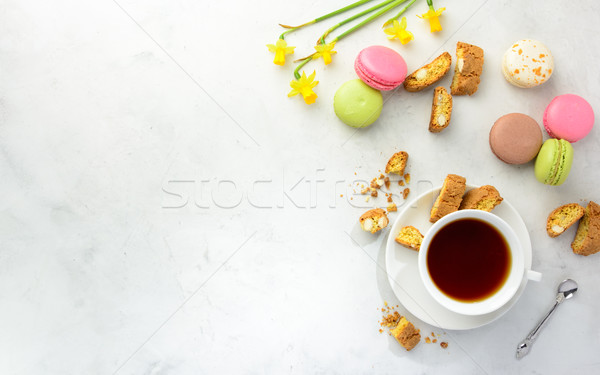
397 163
441 110
469 64
587 239
410 237
374 220
406 334
429 74
450 197
562 218
483 198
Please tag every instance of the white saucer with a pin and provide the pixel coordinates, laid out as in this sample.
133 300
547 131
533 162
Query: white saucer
403 273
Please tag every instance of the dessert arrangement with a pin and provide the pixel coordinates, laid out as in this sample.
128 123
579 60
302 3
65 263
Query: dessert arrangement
385 77
514 138
451 198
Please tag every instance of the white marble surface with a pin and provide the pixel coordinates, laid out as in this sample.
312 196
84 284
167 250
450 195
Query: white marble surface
168 210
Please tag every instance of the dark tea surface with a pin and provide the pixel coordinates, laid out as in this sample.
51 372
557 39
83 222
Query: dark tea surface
468 260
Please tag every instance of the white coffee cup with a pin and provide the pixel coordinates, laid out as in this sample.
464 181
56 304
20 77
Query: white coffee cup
505 292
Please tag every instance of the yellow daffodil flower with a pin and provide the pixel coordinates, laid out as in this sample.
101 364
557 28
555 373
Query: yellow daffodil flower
398 31
304 86
432 15
325 50
280 49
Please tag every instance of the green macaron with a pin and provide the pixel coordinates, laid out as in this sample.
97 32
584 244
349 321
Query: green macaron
554 161
357 104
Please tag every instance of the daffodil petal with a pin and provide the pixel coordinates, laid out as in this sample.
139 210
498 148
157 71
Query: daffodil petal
402 24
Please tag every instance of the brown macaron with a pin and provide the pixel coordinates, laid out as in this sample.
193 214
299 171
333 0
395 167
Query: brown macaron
516 138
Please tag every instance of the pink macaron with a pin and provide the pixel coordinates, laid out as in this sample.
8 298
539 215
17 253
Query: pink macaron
569 117
380 67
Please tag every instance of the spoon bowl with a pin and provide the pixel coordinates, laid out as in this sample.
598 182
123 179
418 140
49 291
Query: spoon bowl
567 288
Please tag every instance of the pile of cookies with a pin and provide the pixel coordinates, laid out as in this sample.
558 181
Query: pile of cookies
467 72
587 238
452 198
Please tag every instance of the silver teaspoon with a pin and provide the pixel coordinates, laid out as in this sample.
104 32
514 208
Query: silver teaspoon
566 290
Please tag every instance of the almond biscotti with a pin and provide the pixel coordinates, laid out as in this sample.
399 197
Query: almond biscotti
397 163
374 220
410 237
562 218
483 198
441 110
469 65
406 334
429 74
587 239
450 197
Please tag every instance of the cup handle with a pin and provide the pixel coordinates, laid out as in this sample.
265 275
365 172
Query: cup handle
534 276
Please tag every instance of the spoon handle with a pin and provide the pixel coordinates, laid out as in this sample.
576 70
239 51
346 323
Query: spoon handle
524 347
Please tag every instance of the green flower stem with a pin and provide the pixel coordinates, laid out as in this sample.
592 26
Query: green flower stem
342 10
318 19
282 36
430 4
391 5
321 40
391 20
304 62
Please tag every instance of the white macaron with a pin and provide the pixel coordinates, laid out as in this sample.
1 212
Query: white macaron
527 63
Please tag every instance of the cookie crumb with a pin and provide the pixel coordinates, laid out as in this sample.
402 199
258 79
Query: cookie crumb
405 193
427 340
376 183
444 344
407 178
401 182
391 320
